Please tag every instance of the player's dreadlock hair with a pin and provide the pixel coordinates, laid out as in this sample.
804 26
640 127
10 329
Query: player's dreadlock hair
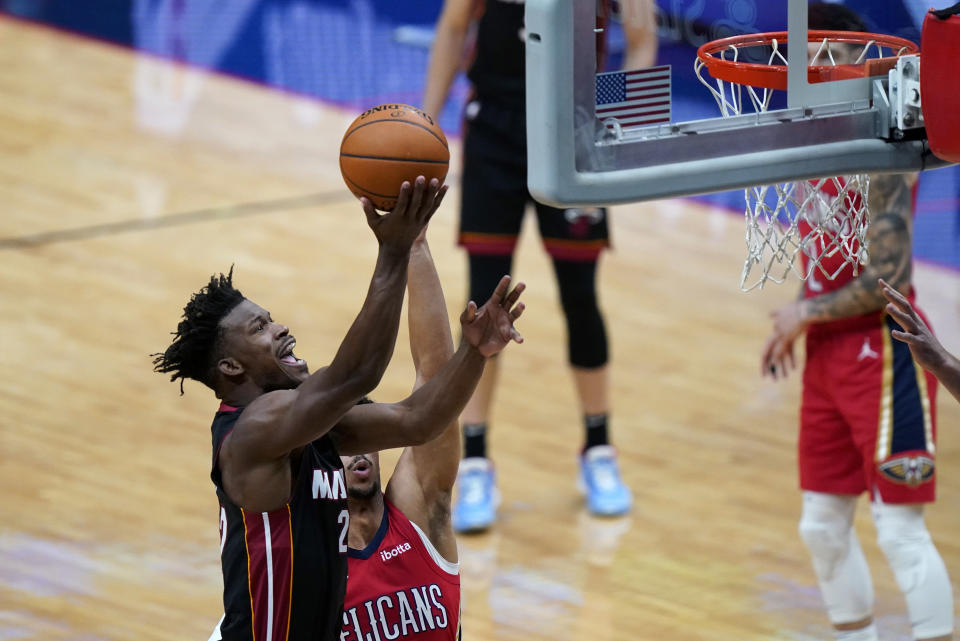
834 17
198 335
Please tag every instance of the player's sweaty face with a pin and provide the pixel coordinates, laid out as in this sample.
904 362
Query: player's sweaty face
263 347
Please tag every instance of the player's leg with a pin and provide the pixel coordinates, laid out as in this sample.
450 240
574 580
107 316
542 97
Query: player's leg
901 466
826 527
485 272
477 497
593 386
574 238
474 416
587 351
493 199
918 568
831 478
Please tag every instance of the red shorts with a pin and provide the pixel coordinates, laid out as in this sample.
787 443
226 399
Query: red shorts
868 416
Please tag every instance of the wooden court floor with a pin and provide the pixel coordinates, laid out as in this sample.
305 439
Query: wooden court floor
126 181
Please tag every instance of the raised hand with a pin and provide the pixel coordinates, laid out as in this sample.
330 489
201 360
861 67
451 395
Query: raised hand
490 327
924 346
416 204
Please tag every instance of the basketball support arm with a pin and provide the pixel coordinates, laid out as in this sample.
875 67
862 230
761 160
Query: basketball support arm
574 162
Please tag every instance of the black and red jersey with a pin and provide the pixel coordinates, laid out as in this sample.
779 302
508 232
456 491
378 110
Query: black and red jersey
499 61
285 571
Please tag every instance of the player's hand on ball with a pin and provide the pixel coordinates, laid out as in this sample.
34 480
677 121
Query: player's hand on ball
415 206
387 145
490 327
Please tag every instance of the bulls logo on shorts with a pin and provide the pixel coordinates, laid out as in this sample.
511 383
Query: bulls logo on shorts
579 221
912 469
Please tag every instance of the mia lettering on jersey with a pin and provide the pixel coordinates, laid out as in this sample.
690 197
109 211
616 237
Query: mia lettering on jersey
329 486
386 555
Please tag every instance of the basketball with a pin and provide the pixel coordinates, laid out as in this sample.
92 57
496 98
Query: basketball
387 145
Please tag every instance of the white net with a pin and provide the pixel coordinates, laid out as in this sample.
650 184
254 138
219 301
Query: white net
819 219
823 220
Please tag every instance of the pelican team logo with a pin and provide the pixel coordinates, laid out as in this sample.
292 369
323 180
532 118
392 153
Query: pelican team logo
908 470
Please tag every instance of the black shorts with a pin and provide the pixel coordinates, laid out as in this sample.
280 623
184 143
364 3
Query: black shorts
494 193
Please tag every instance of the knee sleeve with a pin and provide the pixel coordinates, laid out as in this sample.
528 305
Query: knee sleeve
586 333
917 567
826 528
485 274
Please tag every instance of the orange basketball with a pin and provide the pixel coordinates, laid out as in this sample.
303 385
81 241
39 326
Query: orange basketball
387 145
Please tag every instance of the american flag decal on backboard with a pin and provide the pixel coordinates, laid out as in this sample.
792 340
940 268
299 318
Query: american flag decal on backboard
635 98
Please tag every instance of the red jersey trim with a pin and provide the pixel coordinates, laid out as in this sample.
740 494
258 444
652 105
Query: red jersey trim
246 545
575 250
488 244
268 537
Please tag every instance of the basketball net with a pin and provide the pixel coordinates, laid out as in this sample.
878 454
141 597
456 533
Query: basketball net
824 220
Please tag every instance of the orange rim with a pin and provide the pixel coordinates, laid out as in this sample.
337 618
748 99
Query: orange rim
769 76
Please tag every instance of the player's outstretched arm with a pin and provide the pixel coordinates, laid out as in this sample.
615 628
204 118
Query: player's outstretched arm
446 54
429 410
422 482
299 416
431 342
926 349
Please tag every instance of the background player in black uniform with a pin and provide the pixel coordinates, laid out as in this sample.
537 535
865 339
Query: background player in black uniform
276 437
494 199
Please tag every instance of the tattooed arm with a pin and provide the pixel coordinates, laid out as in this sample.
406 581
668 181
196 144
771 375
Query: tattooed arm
889 245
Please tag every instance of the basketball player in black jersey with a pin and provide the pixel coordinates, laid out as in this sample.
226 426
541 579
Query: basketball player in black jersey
279 430
494 197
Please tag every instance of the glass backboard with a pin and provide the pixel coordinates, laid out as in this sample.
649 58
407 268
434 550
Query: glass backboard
810 130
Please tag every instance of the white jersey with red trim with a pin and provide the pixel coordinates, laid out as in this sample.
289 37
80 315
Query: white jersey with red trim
399 587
